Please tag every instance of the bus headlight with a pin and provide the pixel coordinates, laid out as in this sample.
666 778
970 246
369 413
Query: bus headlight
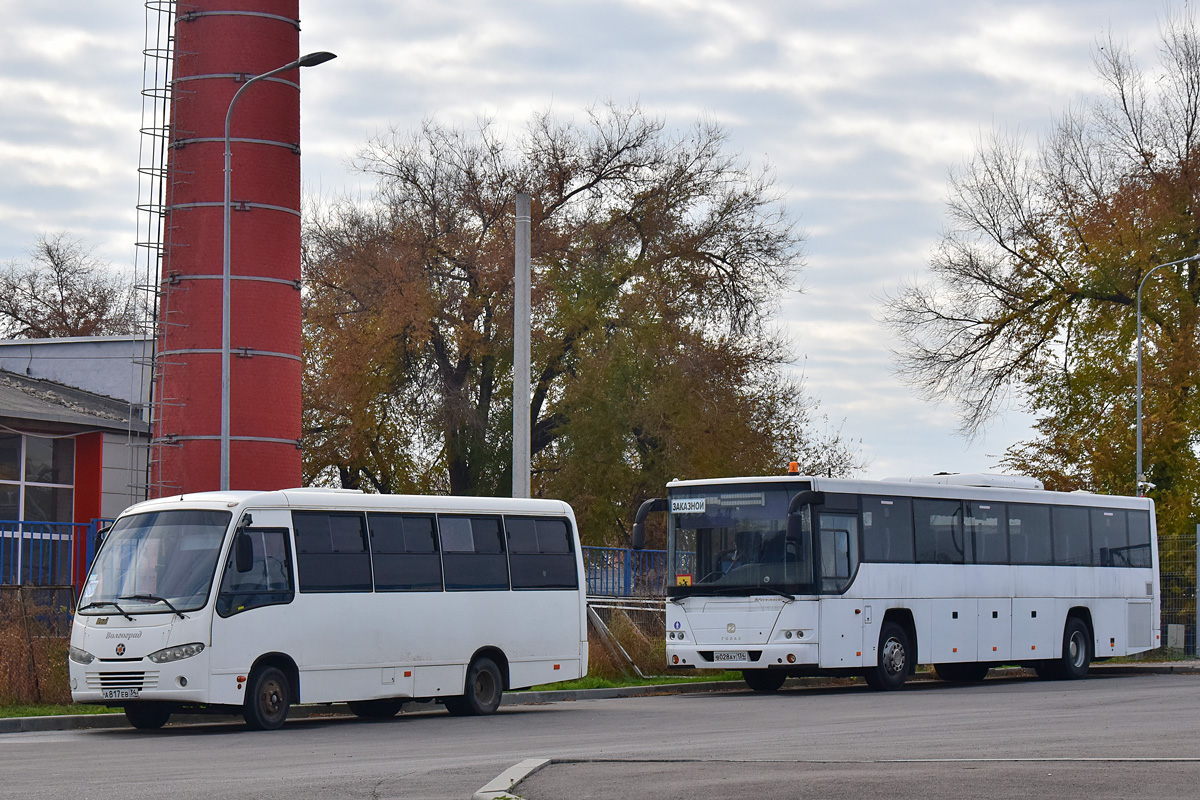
80 656
177 653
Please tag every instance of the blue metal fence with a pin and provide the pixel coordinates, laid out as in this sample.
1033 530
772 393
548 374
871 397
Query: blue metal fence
622 572
45 553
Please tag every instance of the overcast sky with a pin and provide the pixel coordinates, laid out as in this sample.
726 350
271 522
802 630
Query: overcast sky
861 107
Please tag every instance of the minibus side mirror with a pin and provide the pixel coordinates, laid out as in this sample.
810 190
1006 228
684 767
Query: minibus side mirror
243 552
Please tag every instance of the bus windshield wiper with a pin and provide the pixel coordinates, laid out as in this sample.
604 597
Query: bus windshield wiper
100 603
153 598
745 590
791 598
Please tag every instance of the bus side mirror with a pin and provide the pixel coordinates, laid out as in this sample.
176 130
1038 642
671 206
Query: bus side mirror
101 534
638 539
243 552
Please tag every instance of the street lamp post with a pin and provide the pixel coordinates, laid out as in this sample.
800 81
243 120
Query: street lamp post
1142 484
310 60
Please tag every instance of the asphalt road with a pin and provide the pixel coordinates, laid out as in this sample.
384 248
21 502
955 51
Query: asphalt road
1112 736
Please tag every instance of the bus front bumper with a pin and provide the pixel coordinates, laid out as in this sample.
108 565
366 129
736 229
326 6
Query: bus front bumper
749 656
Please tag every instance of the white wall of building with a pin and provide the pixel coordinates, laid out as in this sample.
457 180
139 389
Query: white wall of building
115 366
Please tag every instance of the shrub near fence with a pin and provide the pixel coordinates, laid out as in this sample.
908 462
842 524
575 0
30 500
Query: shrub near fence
35 628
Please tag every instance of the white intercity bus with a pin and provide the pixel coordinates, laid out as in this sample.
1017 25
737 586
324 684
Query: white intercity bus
248 602
792 576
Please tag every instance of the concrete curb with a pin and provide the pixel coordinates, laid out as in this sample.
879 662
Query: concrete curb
501 787
70 722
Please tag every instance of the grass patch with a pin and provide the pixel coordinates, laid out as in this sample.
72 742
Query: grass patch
596 682
53 710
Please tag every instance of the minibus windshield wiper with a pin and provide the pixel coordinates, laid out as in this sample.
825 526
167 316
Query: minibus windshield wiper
100 603
152 598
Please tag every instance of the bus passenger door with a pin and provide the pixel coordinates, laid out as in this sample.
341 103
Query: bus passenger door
256 591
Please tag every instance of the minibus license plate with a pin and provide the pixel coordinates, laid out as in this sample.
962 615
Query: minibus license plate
119 694
731 655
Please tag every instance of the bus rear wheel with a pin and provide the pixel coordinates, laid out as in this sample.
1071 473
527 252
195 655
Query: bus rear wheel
895 653
961 673
147 716
1076 655
376 709
268 698
764 680
482 691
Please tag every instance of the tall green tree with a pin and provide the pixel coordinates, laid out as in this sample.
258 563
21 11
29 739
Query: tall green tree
657 261
1032 294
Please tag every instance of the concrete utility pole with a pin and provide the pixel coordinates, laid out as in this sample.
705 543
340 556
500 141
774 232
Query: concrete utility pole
521 359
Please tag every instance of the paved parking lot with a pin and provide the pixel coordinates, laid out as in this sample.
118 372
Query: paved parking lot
1109 736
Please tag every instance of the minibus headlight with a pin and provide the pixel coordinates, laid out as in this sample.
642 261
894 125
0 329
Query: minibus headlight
80 656
177 653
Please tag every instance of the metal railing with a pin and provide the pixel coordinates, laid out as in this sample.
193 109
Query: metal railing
45 553
623 572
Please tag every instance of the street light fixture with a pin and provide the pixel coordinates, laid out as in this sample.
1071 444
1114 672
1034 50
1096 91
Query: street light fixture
1142 483
310 60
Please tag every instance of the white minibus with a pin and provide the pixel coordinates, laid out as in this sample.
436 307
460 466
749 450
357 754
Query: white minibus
249 602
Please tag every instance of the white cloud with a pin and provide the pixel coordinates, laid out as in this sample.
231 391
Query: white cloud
862 107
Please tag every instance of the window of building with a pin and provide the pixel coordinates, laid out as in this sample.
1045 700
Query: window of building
37 490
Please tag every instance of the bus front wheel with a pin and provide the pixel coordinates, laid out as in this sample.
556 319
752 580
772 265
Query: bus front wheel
268 698
147 716
482 693
764 680
895 654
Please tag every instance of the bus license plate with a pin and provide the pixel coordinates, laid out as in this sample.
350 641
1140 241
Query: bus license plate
119 694
732 655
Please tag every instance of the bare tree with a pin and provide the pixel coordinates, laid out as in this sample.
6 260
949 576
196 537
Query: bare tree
63 290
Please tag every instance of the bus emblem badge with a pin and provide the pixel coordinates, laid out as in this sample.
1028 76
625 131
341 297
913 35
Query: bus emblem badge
121 649
730 628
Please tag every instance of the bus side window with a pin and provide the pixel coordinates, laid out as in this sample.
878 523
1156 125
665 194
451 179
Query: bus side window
331 548
1072 536
939 532
1139 538
987 525
473 556
265 580
887 529
540 554
404 552
1029 534
839 551
1110 538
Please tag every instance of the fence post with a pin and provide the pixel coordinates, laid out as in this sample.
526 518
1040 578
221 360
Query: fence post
628 588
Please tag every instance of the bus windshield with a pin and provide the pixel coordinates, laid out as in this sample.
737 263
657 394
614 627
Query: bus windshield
734 540
160 562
